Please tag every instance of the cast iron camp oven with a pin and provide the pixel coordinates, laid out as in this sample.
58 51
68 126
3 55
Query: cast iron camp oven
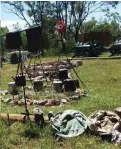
20 80
69 85
63 74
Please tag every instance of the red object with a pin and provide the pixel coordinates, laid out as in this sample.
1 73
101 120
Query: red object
61 26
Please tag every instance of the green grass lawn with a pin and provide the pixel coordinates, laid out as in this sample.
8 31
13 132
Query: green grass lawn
102 77
105 54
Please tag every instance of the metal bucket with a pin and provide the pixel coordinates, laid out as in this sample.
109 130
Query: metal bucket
12 88
63 74
38 85
57 86
69 85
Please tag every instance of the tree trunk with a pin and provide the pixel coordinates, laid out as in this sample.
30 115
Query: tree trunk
76 35
1 47
42 49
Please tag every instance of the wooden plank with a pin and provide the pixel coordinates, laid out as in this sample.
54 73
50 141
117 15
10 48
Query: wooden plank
17 117
96 58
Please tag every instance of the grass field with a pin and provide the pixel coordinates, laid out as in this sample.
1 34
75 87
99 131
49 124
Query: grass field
102 77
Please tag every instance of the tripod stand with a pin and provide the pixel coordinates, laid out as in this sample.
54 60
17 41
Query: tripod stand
63 53
35 57
20 81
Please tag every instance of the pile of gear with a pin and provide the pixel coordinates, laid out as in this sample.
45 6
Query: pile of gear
56 72
60 79
50 69
71 123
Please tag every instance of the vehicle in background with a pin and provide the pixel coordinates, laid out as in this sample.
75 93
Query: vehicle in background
116 48
88 49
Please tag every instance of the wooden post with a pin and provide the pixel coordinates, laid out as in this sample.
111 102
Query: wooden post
19 117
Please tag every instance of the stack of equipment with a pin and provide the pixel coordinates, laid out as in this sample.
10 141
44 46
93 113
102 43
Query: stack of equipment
63 74
57 85
69 85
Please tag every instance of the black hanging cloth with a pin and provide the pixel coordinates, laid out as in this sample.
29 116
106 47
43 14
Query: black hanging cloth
13 40
34 39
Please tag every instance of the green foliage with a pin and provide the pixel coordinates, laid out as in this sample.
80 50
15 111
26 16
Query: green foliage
46 14
51 52
24 41
3 31
16 27
31 130
111 24
89 26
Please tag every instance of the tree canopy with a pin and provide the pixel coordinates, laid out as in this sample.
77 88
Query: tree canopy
3 31
74 13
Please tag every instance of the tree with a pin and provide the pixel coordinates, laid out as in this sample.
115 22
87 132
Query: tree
112 25
44 12
81 10
3 31
17 27
77 12
115 20
36 11
89 26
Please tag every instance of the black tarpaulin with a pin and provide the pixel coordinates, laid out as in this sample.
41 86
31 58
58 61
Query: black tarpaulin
33 39
13 40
